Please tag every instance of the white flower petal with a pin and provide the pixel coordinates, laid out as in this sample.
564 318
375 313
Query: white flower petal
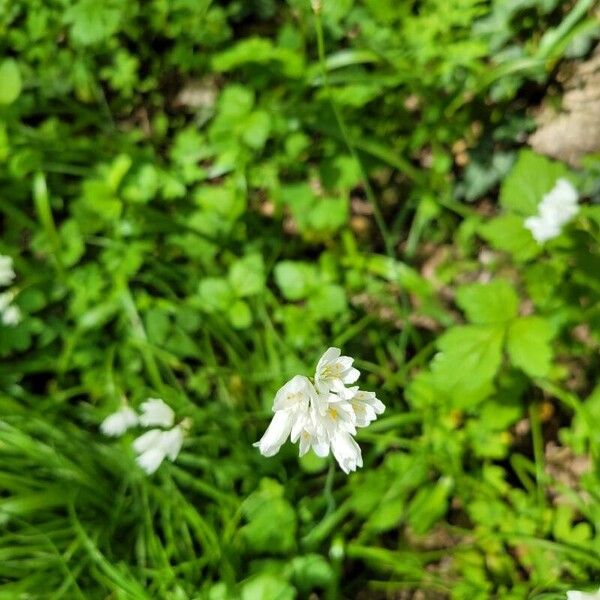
151 459
148 440
119 422
330 355
346 451
276 434
333 371
320 447
156 413
297 390
171 442
555 210
11 315
366 407
7 273
542 230
576 595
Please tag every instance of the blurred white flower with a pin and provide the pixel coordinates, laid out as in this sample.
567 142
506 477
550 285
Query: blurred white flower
119 422
156 413
11 315
155 445
575 595
7 273
322 416
555 210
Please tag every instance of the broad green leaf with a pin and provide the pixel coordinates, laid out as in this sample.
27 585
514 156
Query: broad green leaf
143 185
215 294
256 128
529 347
429 504
271 521
295 279
404 473
310 571
157 325
327 301
181 344
247 275
93 20
542 279
531 178
486 442
327 215
494 302
508 233
267 587
222 201
398 272
240 315
468 361
259 51
10 81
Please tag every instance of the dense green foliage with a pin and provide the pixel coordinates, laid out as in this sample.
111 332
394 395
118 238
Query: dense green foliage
197 206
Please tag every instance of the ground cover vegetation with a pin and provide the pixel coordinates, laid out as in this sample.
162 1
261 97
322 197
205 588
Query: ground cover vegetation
199 198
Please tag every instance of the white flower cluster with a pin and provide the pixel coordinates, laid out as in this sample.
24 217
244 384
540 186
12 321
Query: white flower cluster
323 415
9 312
555 210
575 595
155 445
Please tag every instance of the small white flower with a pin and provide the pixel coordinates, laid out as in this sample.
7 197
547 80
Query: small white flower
542 229
555 210
119 422
11 315
155 445
7 273
575 595
322 416
291 407
366 407
156 413
334 372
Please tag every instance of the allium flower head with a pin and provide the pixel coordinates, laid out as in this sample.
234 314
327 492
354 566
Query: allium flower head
119 422
7 273
11 315
153 446
555 210
156 412
575 595
322 415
